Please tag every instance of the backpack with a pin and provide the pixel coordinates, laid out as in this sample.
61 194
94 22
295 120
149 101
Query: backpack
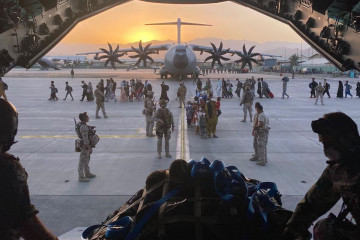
93 137
70 89
56 90
350 87
248 97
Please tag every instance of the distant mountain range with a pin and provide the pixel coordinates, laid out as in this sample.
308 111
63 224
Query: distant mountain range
284 49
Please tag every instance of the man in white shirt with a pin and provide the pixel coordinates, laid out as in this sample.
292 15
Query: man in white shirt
262 129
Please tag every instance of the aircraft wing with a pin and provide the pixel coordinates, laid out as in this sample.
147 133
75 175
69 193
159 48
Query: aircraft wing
200 48
209 49
264 55
155 48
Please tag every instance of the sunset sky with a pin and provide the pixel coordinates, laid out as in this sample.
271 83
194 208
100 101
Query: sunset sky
125 24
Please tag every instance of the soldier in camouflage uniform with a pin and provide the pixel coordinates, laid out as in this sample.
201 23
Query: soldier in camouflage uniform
262 133
100 99
211 117
149 108
247 100
181 93
86 149
164 125
341 179
17 215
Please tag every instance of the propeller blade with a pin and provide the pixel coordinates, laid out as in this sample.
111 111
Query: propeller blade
150 58
254 60
225 51
105 51
208 58
140 46
110 47
144 62
224 58
250 65
120 54
244 50
147 47
213 63
250 50
240 54
113 64
135 50
219 62
214 48
103 56
106 62
243 64
220 47
118 61
138 61
116 49
238 61
254 54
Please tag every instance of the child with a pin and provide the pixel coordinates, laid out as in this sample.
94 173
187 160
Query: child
202 122
217 106
189 113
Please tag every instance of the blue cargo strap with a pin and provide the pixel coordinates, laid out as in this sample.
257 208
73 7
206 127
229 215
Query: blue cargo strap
270 190
139 226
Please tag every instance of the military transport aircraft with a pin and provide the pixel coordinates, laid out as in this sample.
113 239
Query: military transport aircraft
180 59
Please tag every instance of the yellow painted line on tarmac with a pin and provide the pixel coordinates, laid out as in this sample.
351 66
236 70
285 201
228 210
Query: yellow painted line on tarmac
183 150
74 136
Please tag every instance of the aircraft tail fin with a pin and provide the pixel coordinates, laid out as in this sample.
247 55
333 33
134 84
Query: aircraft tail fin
179 23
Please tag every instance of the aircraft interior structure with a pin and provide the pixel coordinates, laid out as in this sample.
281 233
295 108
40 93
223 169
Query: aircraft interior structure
30 28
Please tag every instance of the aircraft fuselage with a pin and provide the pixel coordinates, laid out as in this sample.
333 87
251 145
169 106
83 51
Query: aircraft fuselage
180 60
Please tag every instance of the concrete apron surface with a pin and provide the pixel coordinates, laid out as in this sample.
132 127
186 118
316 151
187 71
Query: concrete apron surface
124 157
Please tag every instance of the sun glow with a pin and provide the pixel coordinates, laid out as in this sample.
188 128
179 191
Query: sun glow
145 36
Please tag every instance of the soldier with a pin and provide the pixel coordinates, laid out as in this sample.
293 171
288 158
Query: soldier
211 117
255 156
68 90
17 215
262 131
72 73
164 125
149 109
319 93
341 179
84 87
181 93
247 100
3 88
100 99
85 133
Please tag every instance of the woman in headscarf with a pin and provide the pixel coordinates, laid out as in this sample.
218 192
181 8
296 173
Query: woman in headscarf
340 92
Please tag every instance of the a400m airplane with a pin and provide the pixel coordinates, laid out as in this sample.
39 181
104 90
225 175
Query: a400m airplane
180 59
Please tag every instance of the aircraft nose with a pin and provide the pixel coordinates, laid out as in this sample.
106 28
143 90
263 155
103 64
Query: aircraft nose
181 61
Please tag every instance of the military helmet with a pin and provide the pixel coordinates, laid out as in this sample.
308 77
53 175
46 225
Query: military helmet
8 123
163 102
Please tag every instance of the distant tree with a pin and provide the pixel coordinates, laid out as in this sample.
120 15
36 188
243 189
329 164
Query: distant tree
294 61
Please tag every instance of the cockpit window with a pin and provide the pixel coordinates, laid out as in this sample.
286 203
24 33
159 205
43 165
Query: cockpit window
180 50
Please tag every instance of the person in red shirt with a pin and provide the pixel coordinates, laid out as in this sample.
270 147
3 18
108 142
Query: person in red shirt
217 106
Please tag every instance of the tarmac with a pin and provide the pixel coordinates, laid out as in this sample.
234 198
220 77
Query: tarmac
124 157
